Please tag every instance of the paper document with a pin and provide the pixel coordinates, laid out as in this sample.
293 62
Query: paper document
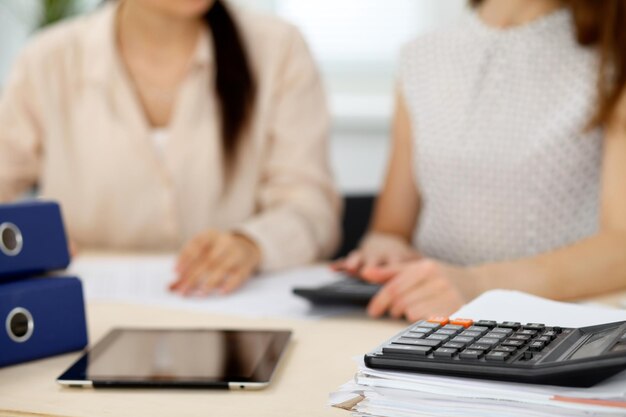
145 280
505 305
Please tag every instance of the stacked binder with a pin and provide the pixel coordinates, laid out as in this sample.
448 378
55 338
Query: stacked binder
40 314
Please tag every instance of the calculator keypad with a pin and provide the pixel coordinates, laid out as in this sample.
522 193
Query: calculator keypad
440 338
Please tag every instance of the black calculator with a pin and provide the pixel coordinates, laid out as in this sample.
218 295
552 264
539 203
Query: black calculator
347 291
508 351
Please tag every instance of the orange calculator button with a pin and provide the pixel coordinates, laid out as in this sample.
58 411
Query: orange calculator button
462 322
439 320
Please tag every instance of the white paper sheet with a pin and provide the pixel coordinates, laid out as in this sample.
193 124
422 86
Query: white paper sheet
504 305
145 279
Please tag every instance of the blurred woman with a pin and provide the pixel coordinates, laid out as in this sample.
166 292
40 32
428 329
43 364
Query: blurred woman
162 124
508 167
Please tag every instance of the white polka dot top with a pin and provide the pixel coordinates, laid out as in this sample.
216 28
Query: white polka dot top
503 165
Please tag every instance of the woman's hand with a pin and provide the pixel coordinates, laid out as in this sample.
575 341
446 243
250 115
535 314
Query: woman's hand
420 289
376 250
213 260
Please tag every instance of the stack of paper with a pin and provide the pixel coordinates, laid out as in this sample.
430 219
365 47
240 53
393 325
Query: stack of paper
390 394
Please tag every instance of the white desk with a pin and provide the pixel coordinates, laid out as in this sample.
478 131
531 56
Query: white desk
317 362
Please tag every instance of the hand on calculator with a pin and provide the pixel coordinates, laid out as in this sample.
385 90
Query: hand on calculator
419 289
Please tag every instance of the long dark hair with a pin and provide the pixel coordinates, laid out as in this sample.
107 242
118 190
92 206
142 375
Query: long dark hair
234 81
601 24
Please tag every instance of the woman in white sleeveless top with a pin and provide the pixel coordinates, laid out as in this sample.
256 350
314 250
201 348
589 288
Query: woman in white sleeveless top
508 167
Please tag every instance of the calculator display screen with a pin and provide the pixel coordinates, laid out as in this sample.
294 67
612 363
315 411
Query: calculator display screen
595 345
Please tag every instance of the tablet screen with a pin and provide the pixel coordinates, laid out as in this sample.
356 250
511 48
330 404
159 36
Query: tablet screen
193 356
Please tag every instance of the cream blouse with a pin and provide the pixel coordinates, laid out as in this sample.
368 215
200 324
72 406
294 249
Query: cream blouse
70 122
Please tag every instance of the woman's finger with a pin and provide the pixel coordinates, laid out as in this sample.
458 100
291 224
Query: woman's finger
420 311
427 309
338 265
193 250
224 246
381 274
353 262
217 275
373 261
426 292
236 279
190 272
195 273
411 275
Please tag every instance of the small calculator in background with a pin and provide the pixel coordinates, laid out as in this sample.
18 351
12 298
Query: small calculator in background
347 291
508 351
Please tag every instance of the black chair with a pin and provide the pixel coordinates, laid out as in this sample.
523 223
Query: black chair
355 221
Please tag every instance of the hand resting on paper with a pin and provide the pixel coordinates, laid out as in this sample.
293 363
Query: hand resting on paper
215 261
419 289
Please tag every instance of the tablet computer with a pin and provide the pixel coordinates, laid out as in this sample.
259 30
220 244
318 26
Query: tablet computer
180 358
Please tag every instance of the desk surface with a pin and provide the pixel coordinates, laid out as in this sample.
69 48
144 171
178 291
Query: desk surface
318 360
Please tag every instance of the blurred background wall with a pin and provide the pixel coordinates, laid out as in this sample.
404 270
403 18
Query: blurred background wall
356 43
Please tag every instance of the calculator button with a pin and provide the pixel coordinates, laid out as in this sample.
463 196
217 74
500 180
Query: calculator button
412 335
442 321
510 325
463 322
454 345
488 341
470 333
411 350
486 323
534 326
536 346
443 352
428 325
447 332
521 337
463 339
442 337
422 330
502 330
509 349
407 341
480 329
544 339
528 355
527 332
497 356
471 354
549 333
496 335
478 346
453 327
514 343
424 342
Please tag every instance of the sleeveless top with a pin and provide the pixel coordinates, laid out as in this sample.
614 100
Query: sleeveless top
502 160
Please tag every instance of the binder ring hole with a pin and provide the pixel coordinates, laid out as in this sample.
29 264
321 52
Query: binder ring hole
11 240
20 325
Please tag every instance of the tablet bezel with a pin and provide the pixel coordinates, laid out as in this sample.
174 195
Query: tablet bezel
76 375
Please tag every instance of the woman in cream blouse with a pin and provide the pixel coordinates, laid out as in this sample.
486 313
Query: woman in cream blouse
163 124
